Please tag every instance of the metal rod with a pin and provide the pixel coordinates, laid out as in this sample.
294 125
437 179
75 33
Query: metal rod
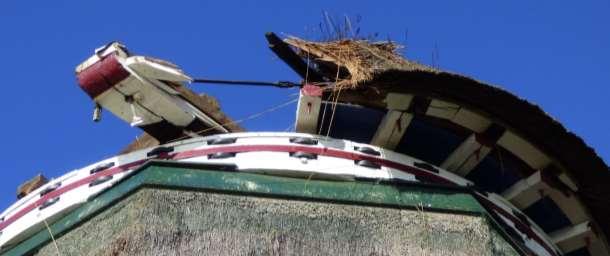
280 84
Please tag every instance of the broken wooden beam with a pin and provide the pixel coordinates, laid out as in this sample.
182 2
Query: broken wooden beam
293 60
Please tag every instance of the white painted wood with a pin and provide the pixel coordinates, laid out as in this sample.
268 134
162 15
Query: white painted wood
528 191
276 163
397 101
527 152
471 120
572 206
458 115
273 163
153 100
442 109
34 220
573 237
530 243
114 101
282 164
466 156
156 69
391 129
308 110
396 121
565 177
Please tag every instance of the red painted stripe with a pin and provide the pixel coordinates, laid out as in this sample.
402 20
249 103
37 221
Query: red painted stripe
356 156
237 149
319 151
323 151
68 188
242 148
522 226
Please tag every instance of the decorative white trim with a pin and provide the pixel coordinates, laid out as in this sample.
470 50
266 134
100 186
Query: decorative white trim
26 218
267 152
533 245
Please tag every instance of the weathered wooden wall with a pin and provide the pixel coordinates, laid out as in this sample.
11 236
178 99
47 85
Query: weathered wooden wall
174 222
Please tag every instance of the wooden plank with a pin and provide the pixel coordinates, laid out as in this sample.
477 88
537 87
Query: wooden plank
391 129
466 156
523 149
396 121
473 150
471 120
573 237
526 192
308 109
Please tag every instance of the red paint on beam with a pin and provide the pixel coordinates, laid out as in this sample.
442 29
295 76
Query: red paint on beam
311 90
101 76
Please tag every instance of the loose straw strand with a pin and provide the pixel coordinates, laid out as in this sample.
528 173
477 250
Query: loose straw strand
52 237
335 101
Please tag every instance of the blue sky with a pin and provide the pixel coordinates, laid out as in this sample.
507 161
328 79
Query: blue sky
552 53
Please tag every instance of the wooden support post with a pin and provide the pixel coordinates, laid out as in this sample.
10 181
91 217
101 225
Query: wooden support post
466 157
472 151
308 109
574 237
547 183
395 122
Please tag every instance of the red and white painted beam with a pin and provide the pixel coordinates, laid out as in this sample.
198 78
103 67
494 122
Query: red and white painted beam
472 151
139 90
308 109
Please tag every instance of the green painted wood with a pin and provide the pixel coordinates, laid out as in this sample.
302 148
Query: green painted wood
334 191
175 175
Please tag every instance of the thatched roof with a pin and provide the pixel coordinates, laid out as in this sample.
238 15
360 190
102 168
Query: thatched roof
361 59
376 69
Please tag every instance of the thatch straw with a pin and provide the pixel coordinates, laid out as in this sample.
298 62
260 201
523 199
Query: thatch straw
360 59
175 222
